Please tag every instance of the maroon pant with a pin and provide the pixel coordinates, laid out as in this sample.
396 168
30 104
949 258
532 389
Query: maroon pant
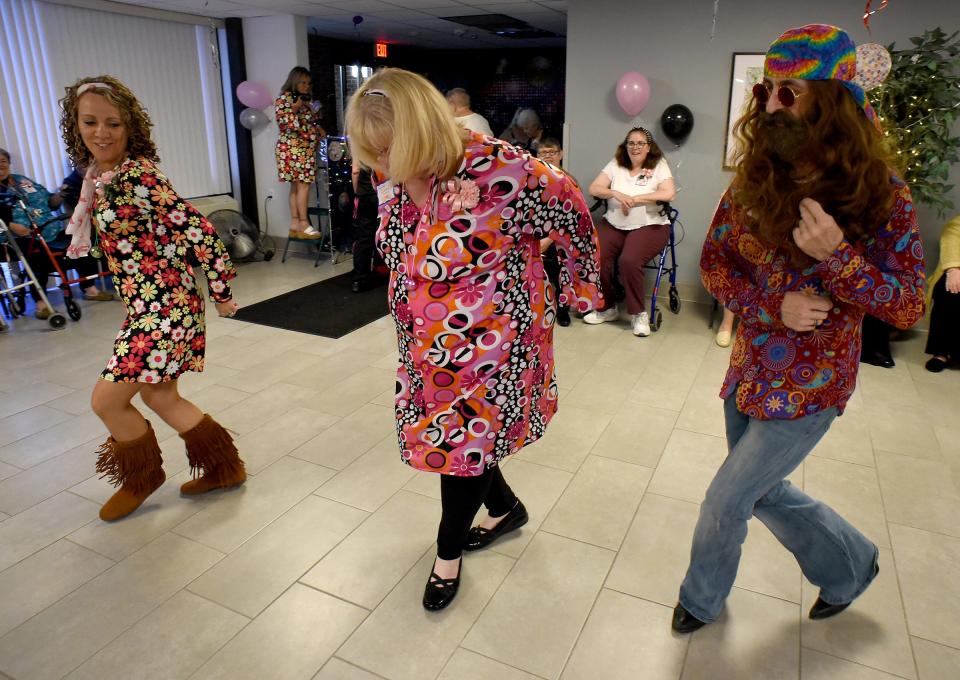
630 251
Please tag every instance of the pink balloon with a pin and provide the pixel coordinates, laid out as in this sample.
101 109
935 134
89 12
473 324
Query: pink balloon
633 92
255 95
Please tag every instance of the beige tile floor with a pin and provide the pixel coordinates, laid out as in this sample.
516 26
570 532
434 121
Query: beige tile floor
315 568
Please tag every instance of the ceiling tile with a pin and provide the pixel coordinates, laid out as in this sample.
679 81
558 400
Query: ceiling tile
360 6
454 11
403 15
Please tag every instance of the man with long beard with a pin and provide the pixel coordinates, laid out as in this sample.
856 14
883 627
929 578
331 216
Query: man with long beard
815 230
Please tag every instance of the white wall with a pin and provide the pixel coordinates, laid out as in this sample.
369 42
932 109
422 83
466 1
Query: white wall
272 46
670 43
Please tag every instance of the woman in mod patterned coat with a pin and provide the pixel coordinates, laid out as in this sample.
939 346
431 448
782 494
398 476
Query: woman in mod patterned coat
152 239
461 218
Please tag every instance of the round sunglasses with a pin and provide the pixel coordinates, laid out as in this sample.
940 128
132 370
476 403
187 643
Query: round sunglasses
787 95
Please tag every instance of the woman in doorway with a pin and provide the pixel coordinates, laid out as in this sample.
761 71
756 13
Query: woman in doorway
461 218
152 239
300 134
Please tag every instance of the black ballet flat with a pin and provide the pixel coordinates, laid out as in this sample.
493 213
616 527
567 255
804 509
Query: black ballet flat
824 610
936 364
684 621
478 537
440 591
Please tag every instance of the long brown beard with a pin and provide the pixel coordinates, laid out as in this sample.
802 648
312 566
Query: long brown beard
786 144
784 136
833 156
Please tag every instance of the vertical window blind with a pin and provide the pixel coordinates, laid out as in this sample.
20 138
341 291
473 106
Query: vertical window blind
172 67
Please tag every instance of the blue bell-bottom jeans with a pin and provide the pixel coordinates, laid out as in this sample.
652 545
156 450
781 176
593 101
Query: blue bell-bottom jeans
751 482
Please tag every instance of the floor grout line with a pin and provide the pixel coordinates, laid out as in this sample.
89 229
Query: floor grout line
692 384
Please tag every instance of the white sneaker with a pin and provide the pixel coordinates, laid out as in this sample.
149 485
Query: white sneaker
641 324
596 317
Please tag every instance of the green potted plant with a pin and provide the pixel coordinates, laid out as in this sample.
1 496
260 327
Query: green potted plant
918 105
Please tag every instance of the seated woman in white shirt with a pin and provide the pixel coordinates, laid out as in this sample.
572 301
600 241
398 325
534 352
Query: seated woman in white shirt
632 232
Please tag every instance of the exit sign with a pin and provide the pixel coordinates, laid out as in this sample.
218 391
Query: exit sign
381 51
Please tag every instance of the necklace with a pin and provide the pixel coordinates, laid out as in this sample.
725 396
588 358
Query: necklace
415 228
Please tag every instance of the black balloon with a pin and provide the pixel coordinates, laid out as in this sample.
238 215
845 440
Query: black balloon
677 122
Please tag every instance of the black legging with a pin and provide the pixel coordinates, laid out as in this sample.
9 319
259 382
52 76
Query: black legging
364 232
876 336
944 337
461 497
551 265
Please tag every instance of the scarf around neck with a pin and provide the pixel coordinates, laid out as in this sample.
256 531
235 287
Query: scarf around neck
80 227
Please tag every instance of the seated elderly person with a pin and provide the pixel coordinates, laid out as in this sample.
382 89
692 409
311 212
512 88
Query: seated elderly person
525 130
41 204
633 230
943 342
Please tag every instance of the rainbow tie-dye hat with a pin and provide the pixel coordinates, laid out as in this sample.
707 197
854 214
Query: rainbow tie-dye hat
817 52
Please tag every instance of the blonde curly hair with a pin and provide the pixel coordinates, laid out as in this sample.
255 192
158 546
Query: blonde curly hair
134 115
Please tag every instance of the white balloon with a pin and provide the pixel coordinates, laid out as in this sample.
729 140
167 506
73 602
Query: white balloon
253 119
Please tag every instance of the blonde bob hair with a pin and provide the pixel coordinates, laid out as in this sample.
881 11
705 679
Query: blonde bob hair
403 116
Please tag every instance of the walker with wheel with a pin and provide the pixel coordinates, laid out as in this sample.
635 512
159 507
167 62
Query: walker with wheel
11 291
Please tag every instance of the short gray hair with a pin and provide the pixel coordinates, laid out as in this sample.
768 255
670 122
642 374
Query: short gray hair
525 116
459 96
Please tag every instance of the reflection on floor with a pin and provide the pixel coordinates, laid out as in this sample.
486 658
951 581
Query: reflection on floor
315 568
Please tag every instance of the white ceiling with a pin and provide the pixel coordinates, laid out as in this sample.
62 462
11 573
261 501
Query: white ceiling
405 22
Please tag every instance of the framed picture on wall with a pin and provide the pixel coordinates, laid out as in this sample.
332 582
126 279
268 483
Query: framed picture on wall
747 71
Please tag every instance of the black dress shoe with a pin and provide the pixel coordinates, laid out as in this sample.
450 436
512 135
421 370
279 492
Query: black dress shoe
481 538
877 358
563 316
440 591
684 621
936 364
824 610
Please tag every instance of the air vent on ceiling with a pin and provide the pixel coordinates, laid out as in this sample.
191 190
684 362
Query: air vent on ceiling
501 25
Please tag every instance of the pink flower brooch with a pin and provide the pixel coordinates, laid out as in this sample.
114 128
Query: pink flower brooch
460 194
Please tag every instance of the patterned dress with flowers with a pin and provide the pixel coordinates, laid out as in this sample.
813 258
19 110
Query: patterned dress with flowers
152 239
473 309
300 134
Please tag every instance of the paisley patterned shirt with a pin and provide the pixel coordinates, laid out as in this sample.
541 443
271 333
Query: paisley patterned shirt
781 373
473 309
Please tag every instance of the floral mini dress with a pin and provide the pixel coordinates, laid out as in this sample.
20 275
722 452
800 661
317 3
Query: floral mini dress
297 143
152 240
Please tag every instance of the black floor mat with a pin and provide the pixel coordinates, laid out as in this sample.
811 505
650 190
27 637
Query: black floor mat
328 308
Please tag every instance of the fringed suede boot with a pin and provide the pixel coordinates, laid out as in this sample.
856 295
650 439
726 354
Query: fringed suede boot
136 467
213 456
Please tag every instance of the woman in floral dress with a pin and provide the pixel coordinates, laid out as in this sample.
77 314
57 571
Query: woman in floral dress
300 134
152 239
461 218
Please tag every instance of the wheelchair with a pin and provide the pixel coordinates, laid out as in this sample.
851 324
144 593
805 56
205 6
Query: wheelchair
657 264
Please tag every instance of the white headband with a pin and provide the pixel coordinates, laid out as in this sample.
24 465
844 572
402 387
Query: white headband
86 87
376 92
